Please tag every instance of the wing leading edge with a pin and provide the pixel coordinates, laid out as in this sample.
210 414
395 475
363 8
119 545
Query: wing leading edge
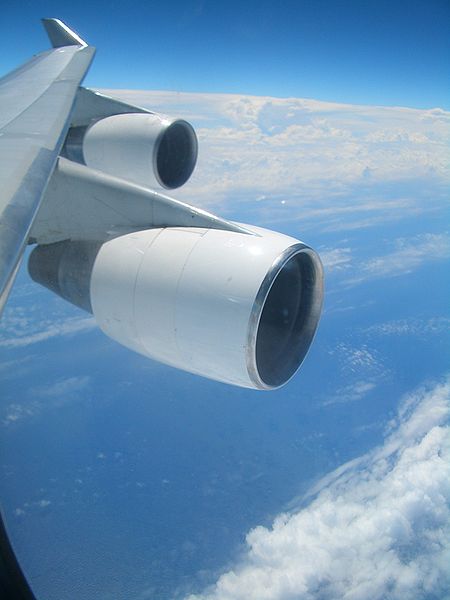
37 100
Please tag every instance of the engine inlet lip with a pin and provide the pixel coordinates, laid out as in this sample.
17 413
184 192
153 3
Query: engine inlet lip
192 158
311 322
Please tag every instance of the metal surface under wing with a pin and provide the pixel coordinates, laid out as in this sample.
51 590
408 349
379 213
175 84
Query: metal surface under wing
84 204
36 101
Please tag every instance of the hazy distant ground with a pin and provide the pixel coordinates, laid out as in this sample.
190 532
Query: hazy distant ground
150 483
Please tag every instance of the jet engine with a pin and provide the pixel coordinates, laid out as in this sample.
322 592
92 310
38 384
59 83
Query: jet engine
145 148
241 308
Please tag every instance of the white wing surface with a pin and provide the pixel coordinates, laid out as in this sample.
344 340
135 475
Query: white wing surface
36 102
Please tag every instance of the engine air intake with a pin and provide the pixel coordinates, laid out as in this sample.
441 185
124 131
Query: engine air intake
286 307
176 155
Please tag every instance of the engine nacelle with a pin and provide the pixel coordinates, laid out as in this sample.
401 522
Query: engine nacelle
237 308
145 148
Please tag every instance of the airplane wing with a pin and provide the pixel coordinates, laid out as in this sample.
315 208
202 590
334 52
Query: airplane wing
37 100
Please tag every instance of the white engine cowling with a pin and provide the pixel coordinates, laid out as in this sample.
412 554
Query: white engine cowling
237 308
148 149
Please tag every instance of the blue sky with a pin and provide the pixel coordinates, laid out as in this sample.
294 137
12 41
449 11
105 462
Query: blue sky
387 53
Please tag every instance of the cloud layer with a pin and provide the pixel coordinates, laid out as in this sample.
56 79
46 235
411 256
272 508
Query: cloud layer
408 255
293 149
414 327
378 527
25 324
397 257
39 399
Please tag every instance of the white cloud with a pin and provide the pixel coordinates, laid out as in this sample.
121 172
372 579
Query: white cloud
303 150
363 371
30 507
352 393
408 255
354 359
415 327
376 528
336 259
63 387
43 503
8 368
39 399
25 332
